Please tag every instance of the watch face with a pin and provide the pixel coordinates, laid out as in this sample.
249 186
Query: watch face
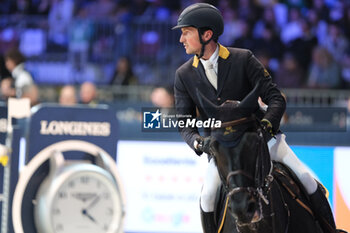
86 202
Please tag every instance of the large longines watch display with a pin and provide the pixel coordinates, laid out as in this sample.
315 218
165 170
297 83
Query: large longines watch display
76 195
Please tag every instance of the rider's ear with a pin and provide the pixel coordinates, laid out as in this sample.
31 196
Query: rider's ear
207 35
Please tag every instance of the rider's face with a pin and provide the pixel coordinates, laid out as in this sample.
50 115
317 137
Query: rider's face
189 38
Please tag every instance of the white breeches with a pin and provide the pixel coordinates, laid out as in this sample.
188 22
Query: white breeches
210 186
279 151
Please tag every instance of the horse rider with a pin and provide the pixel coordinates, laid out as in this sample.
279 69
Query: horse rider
225 73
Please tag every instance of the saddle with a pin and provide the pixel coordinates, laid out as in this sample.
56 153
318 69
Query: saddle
290 182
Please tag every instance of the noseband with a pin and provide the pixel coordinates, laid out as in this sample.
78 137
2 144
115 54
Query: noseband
260 191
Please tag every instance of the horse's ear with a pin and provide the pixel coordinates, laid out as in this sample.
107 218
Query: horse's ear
252 98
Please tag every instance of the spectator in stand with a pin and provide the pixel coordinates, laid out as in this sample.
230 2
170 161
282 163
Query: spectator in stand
88 94
271 42
123 29
24 7
318 26
289 73
60 16
264 56
346 21
7 84
67 96
7 7
346 70
162 97
123 73
4 73
268 19
139 7
265 3
293 29
245 41
296 3
321 9
232 26
302 47
79 39
324 71
246 10
7 89
31 92
42 7
100 9
14 61
336 10
335 42
156 11
122 13
173 5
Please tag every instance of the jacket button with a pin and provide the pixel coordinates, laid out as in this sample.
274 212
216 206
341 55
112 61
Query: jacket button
219 99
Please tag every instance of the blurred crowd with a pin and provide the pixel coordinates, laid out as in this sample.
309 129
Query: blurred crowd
303 43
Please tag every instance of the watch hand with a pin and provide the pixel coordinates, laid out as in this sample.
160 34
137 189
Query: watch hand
93 203
77 197
84 212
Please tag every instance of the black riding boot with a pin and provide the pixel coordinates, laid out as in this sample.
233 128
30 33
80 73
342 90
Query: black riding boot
322 210
208 223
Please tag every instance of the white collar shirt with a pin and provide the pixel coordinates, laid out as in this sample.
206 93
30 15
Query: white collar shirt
213 60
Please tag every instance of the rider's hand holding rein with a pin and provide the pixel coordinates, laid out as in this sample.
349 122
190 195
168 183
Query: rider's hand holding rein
202 144
267 129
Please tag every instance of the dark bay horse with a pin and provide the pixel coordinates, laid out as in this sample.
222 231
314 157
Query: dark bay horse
256 194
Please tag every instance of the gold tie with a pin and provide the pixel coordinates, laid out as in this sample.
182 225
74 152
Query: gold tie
211 74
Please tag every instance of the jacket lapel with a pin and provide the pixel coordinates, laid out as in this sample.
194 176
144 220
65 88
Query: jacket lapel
223 70
203 85
223 67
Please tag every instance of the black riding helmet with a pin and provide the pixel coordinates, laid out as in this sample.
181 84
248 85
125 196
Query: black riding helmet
202 15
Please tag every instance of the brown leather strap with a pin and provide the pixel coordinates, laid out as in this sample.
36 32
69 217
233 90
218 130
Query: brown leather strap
236 122
224 215
294 196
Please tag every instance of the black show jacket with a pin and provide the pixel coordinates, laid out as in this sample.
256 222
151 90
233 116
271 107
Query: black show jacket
238 72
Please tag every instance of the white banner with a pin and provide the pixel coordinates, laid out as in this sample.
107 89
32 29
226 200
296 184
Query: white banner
162 182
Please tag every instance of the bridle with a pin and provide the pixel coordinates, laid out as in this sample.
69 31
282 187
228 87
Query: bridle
264 187
260 191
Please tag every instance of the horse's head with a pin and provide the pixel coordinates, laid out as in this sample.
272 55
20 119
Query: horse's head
244 170
241 155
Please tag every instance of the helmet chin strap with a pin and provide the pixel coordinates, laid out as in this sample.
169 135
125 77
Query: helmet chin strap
204 43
